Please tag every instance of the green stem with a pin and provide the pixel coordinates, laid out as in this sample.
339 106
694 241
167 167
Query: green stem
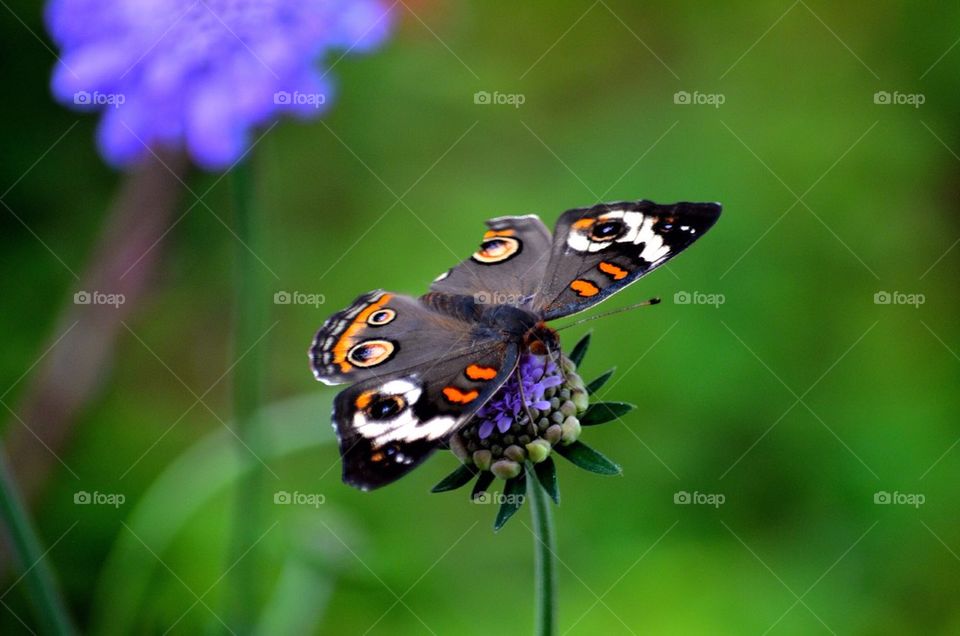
50 609
249 327
544 547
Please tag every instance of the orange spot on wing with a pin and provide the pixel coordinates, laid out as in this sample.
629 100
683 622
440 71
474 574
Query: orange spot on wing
457 396
363 400
476 372
583 223
584 288
346 340
612 270
495 233
377 457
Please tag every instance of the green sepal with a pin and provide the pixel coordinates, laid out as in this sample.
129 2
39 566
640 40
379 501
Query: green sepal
598 382
460 477
602 412
483 482
513 492
585 457
580 350
547 476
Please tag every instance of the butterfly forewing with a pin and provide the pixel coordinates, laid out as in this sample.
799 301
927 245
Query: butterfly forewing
597 251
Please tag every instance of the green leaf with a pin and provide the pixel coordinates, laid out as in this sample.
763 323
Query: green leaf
547 476
595 385
588 459
483 482
513 496
580 350
460 477
603 412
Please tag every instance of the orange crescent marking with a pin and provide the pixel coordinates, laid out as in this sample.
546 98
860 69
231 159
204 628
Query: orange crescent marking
583 223
476 372
346 340
459 397
363 400
584 288
495 233
612 270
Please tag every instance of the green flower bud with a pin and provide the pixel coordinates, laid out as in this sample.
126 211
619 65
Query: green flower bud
482 459
515 453
570 429
581 400
538 450
553 434
459 449
505 469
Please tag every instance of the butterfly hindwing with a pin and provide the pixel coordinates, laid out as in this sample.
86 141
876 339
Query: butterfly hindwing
597 251
507 266
387 426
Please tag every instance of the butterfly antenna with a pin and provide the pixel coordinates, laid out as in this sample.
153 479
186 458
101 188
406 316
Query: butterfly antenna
646 303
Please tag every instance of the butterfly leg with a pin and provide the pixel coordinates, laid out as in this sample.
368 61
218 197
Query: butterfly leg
531 424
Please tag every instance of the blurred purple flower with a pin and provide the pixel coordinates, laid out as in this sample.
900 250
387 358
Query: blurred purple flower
201 73
537 373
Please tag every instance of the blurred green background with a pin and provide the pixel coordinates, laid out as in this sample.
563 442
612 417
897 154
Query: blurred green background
797 398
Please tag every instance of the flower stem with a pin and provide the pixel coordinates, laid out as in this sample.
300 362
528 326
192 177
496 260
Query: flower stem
51 610
544 547
249 328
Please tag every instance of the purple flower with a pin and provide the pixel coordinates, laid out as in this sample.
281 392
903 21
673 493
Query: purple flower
200 74
537 373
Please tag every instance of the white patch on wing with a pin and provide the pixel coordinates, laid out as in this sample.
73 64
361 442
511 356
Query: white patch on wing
639 230
654 248
405 426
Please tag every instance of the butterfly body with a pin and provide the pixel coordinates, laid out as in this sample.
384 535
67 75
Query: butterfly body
420 368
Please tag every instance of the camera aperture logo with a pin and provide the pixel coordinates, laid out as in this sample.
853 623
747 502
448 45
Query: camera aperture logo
696 98
296 98
96 98
98 298
496 98
897 498
699 298
896 98
697 498
298 298
97 498
297 498
899 298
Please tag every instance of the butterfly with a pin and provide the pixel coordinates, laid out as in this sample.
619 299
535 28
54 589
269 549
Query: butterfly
419 368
